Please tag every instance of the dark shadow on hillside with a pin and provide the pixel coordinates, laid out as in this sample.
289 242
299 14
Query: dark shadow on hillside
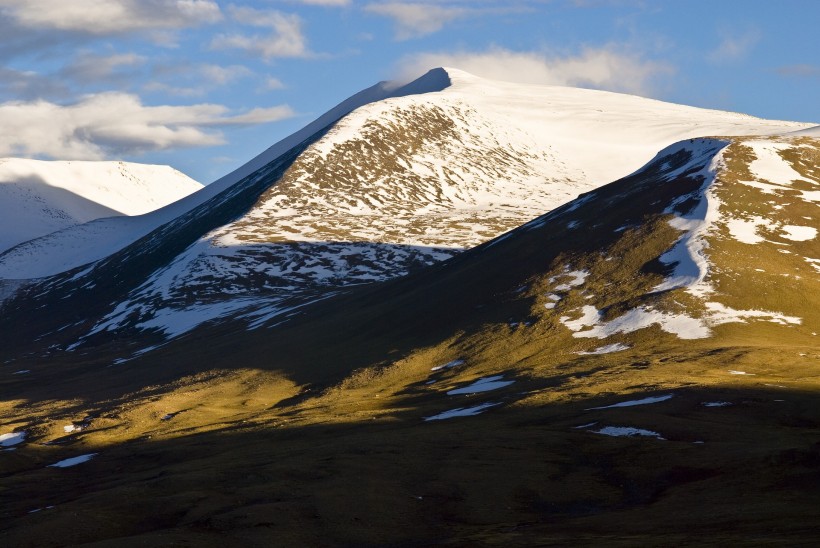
514 475
380 323
76 295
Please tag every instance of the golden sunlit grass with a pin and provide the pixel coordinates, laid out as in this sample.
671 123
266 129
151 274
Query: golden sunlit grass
314 433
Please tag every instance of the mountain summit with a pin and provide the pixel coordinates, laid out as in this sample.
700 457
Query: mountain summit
389 181
429 321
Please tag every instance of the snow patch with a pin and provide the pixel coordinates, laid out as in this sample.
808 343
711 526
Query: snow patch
769 165
721 314
461 412
688 255
745 230
677 324
799 233
448 365
73 461
11 439
484 384
632 403
627 431
608 349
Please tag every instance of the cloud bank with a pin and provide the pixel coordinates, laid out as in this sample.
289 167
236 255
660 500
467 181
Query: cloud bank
107 17
599 68
115 124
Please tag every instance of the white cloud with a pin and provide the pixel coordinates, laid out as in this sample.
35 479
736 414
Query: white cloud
106 17
272 83
220 75
600 68
285 40
416 19
26 84
256 116
194 80
114 124
734 46
88 67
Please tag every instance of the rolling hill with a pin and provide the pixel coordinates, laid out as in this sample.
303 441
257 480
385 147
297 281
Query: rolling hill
637 365
390 181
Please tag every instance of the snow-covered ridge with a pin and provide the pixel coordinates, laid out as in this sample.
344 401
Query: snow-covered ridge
86 243
584 137
746 184
39 197
404 181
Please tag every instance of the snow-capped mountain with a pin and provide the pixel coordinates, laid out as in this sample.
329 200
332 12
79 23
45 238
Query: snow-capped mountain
387 182
637 364
41 197
649 348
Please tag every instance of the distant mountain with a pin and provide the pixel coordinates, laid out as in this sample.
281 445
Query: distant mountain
41 197
388 182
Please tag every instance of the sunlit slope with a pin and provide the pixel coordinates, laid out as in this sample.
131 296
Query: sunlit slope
397 184
405 182
638 366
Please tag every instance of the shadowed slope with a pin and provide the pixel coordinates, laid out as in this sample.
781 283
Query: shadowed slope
617 371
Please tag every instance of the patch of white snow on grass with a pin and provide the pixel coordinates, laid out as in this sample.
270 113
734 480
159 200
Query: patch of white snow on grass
484 384
769 165
814 263
627 431
8 440
461 412
578 277
745 230
73 461
632 403
589 317
590 323
637 318
688 254
554 298
720 314
448 365
608 349
799 233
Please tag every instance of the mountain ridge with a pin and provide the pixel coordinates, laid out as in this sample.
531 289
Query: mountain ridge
637 365
392 186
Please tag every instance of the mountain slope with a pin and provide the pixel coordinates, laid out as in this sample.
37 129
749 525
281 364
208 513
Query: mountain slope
80 245
395 185
572 139
40 197
637 366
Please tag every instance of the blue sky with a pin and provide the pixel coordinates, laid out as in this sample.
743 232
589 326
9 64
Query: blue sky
205 85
